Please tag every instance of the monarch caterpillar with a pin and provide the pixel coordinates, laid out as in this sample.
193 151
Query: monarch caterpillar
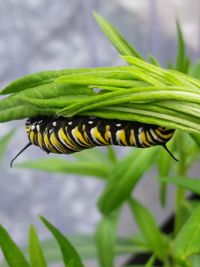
68 135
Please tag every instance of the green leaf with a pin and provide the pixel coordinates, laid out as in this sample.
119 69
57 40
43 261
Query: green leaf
68 251
150 261
153 60
95 81
48 77
59 165
115 38
190 184
85 244
187 241
40 101
4 142
106 237
196 138
124 177
182 62
149 228
194 70
37 257
111 154
11 251
164 167
95 155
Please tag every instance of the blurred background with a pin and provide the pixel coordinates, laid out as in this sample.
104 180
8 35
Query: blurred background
42 35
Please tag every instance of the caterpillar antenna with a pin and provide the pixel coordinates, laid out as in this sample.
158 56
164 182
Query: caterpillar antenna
169 152
21 151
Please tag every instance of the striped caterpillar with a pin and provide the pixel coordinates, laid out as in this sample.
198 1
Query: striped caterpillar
68 135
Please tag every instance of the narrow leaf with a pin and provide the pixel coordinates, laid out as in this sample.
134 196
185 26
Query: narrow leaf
187 242
194 70
86 246
37 256
182 61
196 138
191 184
149 228
106 237
164 167
124 177
4 141
48 77
68 251
59 165
150 261
11 251
115 38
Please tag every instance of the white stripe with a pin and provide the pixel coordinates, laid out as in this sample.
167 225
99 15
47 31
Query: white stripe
95 139
74 135
65 144
117 137
155 136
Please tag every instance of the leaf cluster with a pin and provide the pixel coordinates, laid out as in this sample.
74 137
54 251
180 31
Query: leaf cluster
141 91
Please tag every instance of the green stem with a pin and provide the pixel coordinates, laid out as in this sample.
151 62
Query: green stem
180 192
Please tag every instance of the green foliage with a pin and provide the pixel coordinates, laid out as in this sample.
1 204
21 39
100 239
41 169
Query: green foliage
4 142
106 236
36 253
142 92
64 166
187 241
147 224
12 253
190 184
123 178
115 38
182 61
70 256
15 258
150 262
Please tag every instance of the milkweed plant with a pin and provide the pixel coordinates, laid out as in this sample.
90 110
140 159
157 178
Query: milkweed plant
140 91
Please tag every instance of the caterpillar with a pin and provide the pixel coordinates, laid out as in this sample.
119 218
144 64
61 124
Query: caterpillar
68 135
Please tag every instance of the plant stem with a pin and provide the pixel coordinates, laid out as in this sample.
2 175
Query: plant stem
180 192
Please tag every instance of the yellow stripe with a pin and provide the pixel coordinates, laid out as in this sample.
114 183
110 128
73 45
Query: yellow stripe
163 135
66 139
40 139
149 139
56 143
77 135
97 135
132 138
107 134
48 144
143 139
32 137
36 139
121 137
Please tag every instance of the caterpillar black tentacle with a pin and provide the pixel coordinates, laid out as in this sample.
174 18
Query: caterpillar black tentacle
20 152
68 135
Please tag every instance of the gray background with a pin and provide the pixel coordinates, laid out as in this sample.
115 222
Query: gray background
40 35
